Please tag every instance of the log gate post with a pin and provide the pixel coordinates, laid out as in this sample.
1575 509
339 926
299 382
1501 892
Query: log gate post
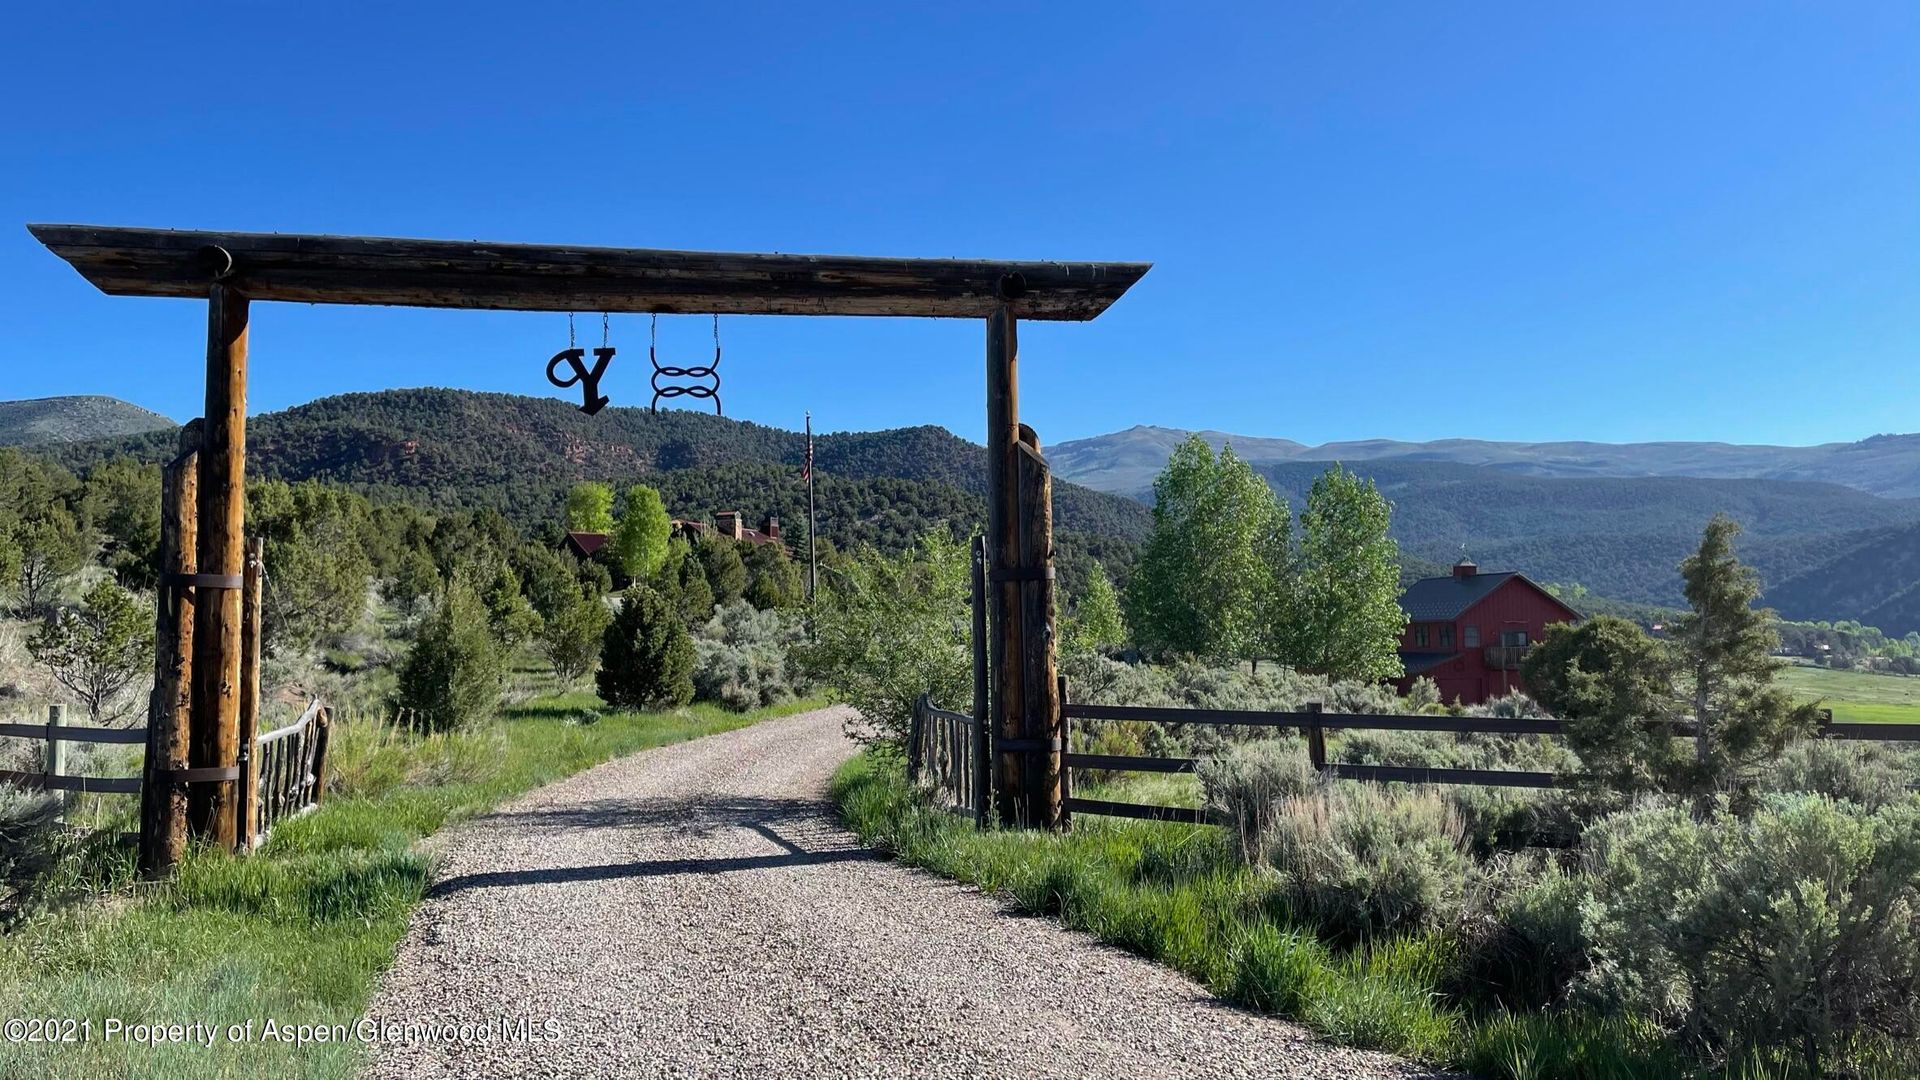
1025 713
246 817
215 744
163 798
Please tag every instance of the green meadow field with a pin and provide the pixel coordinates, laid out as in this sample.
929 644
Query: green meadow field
1859 697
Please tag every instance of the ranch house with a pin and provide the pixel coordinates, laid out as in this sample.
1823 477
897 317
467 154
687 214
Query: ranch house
1469 631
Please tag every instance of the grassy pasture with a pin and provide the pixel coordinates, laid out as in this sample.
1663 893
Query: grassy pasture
1858 697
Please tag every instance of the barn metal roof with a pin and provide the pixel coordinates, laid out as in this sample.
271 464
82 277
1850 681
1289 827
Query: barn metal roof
1437 599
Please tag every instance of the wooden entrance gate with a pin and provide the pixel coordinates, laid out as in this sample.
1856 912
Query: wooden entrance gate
202 639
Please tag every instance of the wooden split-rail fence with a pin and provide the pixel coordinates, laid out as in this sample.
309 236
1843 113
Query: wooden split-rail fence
947 751
283 774
1314 723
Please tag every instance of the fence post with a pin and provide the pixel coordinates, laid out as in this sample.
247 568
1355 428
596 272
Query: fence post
1316 737
1066 747
914 728
323 734
982 709
252 578
54 761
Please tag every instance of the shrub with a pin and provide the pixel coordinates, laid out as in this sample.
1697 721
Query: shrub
33 844
1522 944
456 671
741 658
1248 787
1797 927
1870 774
1355 859
646 655
888 629
571 639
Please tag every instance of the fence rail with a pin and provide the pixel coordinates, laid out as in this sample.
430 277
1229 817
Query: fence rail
53 775
1314 723
945 752
289 771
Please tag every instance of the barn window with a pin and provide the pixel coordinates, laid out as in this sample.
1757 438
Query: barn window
1420 636
1473 637
1513 639
1446 635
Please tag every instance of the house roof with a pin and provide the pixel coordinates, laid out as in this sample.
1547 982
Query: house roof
1416 663
1437 599
587 542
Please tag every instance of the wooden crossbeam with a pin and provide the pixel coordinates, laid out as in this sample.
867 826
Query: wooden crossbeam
530 277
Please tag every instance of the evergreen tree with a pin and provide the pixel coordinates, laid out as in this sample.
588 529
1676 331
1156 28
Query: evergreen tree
317 572
1612 684
646 655
682 582
548 578
639 541
414 579
1726 647
53 546
509 615
1345 593
726 571
97 650
572 636
589 508
773 581
456 671
121 499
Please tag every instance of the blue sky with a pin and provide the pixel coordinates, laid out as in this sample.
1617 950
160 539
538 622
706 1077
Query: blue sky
1513 221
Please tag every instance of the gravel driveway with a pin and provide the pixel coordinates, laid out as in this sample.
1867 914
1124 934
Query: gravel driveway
696 910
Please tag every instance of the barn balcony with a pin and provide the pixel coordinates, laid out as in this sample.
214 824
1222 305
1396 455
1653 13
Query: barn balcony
1506 657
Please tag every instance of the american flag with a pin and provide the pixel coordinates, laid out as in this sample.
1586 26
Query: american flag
806 471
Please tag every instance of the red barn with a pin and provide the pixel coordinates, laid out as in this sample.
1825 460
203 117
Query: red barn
1469 631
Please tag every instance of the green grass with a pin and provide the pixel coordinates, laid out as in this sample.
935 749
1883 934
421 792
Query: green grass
1858 697
298 932
1175 894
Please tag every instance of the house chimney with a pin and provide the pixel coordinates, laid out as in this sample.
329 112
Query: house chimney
1465 569
772 527
727 523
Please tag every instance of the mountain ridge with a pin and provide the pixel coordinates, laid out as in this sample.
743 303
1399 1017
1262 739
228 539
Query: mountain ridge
73 418
1125 462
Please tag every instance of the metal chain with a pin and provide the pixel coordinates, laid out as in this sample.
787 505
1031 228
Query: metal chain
569 329
603 329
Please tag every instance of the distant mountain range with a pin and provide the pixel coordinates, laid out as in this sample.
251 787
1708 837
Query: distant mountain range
71 419
1833 530
1125 462
1825 550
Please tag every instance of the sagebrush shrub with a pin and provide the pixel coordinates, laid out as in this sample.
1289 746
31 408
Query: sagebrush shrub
741 658
1796 927
1247 788
1870 774
33 844
1356 859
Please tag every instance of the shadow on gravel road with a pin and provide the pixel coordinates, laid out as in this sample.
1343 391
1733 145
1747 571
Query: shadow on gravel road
803 830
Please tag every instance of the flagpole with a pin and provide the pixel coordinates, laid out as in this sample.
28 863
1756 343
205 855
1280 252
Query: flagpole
813 559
